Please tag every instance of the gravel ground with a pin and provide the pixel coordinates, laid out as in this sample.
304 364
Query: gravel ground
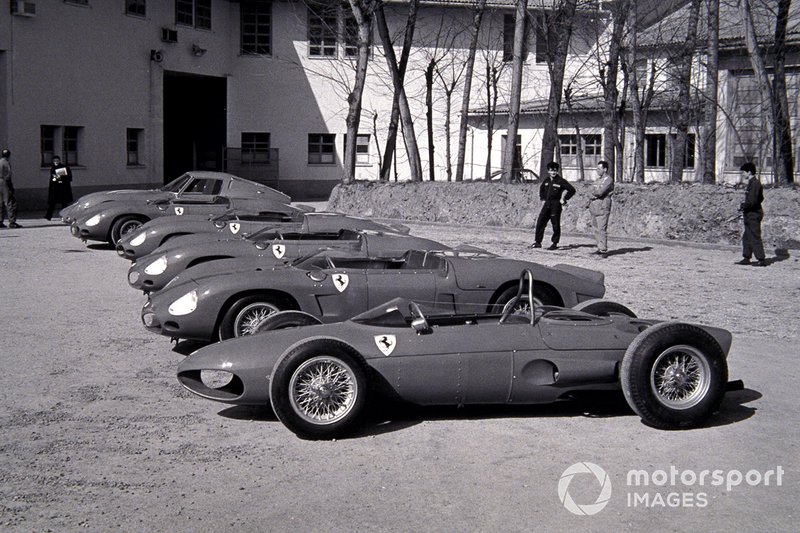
98 435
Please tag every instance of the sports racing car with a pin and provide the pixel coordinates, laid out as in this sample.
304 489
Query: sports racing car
228 298
319 378
107 216
270 246
240 224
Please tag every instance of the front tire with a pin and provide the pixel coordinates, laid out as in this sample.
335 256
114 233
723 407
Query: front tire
674 375
319 389
244 316
123 226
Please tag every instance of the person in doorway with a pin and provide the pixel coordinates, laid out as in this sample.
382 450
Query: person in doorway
554 191
600 207
60 189
8 201
752 214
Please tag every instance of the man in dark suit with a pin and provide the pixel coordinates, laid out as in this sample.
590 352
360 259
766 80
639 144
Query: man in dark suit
752 213
551 192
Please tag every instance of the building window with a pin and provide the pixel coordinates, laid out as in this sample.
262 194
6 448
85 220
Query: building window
256 28
255 147
133 143
688 159
542 23
195 13
362 148
48 144
655 150
591 146
136 7
71 144
350 34
509 28
322 24
321 148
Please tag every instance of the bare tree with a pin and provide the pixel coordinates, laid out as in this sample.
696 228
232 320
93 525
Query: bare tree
557 30
475 28
683 103
708 143
608 80
510 153
783 161
397 72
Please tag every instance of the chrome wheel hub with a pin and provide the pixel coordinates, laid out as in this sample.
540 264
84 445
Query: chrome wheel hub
323 390
681 377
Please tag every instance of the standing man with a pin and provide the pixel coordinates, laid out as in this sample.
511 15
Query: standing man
59 190
600 207
551 193
752 215
7 198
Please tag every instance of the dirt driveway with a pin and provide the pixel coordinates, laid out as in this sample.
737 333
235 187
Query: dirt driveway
97 434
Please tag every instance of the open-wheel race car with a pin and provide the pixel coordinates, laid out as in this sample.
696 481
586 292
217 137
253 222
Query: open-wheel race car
229 297
319 379
240 225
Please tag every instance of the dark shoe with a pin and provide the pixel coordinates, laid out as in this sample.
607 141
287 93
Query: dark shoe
553 246
744 261
535 245
760 263
603 255
14 225
2 225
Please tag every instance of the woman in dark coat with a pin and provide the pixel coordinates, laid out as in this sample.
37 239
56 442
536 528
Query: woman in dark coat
60 190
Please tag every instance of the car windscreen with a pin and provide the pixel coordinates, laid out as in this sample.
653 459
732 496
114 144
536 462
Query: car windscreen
176 184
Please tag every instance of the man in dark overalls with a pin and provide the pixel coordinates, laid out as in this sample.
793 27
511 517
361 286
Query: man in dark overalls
752 215
551 192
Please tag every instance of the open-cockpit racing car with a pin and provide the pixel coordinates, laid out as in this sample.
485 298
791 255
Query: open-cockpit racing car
318 379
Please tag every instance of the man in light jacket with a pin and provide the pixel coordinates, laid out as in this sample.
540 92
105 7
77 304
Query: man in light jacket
600 207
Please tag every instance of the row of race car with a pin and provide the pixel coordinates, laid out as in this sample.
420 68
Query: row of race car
317 313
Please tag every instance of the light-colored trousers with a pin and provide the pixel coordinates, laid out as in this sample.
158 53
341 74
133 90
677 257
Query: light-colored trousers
600 211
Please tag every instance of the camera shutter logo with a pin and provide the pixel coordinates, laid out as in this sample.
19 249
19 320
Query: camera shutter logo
585 509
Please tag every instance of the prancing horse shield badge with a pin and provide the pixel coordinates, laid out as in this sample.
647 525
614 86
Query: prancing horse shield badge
279 250
385 343
179 211
340 281
235 227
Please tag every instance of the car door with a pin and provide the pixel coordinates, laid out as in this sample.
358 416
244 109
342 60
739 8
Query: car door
200 196
413 277
339 291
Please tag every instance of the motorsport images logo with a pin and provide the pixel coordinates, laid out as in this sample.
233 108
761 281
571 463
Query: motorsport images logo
588 509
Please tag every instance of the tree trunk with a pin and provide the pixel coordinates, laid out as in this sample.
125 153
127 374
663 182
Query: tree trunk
619 12
509 158
429 115
492 77
412 150
684 107
362 12
558 35
708 144
783 161
465 99
394 120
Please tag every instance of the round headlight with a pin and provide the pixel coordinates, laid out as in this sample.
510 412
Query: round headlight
215 379
95 220
133 277
184 305
156 267
139 239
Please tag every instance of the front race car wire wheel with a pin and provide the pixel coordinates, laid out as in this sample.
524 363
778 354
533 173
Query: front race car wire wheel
674 375
245 315
124 226
319 389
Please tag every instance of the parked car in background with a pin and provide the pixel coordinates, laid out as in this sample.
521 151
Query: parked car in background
238 223
229 298
107 216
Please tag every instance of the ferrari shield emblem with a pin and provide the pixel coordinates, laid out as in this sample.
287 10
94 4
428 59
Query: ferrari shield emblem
235 227
179 211
279 250
340 281
385 343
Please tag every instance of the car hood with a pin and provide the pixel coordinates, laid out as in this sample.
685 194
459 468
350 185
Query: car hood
234 265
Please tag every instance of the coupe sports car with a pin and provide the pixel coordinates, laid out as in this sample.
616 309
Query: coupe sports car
237 224
107 216
319 378
228 298
270 246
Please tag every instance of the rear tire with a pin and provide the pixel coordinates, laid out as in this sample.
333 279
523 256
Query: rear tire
286 319
674 375
319 389
245 315
601 307
541 296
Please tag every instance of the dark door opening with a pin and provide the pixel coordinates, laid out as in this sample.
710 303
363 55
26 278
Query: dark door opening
195 117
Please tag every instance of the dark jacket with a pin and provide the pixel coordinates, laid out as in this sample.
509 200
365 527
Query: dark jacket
551 190
60 190
753 196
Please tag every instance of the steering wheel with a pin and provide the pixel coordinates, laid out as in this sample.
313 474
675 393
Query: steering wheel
512 304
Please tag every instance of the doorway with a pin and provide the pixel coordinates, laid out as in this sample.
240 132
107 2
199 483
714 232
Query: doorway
195 123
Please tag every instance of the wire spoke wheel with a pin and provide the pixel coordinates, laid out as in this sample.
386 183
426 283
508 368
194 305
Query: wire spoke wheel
323 390
680 377
248 319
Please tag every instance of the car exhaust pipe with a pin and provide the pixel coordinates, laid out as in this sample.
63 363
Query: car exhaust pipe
735 385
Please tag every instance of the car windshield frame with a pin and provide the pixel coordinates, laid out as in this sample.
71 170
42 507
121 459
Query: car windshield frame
178 184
